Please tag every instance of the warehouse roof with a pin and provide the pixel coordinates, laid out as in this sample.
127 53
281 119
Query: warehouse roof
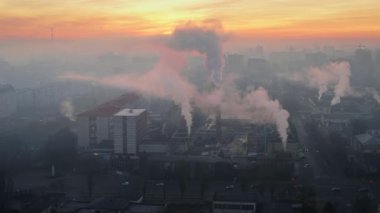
130 112
111 107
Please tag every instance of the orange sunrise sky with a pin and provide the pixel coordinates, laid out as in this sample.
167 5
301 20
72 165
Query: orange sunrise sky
71 19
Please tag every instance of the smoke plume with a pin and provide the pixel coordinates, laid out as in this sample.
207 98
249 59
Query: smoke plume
376 96
335 75
163 81
166 81
203 40
67 110
253 106
258 107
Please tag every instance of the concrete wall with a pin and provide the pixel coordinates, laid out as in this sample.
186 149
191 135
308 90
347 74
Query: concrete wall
102 128
118 136
131 135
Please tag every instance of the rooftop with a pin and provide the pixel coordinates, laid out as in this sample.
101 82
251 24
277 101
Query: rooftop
109 204
367 139
235 196
130 112
111 107
149 208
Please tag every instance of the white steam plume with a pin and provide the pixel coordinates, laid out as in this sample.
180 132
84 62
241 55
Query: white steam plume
67 109
258 107
166 81
163 81
322 90
375 95
342 88
254 106
336 75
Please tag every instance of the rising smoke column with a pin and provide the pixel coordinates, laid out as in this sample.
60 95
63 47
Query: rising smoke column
374 94
164 81
255 105
67 110
252 106
203 40
336 75
342 88
322 90
258 107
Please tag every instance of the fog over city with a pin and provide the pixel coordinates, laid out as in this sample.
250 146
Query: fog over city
192 113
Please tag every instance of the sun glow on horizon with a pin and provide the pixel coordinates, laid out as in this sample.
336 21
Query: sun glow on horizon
117 18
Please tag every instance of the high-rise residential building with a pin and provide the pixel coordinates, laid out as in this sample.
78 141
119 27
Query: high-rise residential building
7 100
234 63
256 65
259 51
362 68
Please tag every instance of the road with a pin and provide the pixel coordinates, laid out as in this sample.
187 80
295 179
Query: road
323 176
318 169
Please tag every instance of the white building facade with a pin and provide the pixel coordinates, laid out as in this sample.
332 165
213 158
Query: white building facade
125 128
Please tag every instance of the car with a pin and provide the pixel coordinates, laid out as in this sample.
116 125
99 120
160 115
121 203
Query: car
160 184
205 153
364 189
230 186
253 186
335 189
307 166
126 183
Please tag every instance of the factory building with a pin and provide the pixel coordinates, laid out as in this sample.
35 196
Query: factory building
112 128
129 127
